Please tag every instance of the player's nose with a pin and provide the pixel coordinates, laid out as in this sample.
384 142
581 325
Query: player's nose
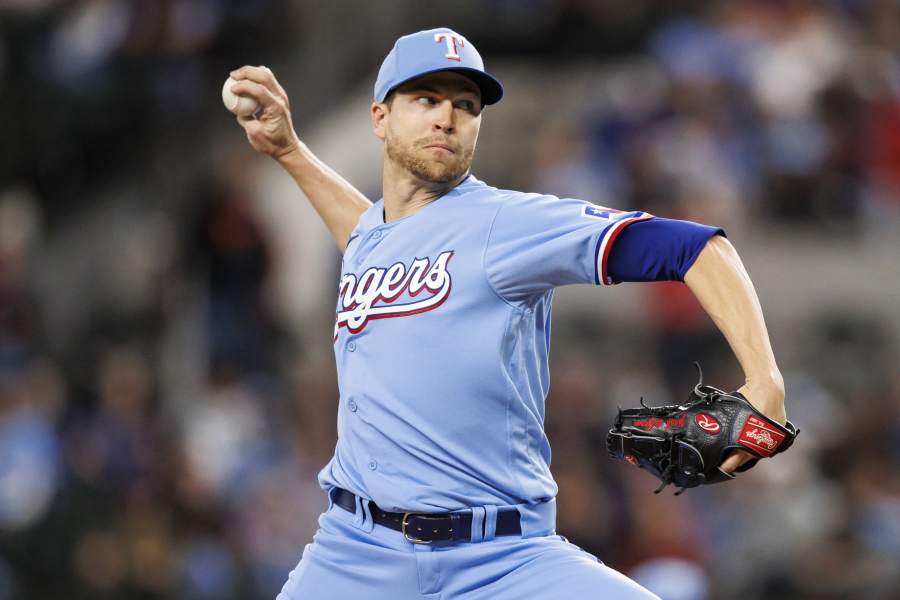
443 117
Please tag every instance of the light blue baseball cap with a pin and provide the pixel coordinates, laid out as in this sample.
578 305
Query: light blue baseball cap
431 51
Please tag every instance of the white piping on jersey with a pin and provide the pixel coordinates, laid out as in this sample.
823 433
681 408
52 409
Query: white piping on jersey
606 243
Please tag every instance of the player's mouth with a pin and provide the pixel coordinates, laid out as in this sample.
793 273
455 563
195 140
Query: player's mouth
441 147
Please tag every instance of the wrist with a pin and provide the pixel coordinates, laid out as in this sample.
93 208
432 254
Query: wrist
767 395
292 156
769 382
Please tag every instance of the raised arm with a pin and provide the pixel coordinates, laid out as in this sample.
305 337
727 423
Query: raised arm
721 284
271 132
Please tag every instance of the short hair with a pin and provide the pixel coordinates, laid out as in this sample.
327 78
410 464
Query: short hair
389 99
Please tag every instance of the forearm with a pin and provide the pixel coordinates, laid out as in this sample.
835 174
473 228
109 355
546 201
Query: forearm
271 132
337 202
721 284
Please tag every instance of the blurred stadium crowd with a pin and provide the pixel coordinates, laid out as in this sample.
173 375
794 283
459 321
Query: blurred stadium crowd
161 424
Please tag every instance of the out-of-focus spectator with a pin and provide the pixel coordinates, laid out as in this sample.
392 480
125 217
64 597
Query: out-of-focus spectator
225 438
112 444
30 469
564 167
235 259
672 579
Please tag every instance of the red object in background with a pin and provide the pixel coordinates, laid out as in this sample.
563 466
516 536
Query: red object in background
674 308
883 127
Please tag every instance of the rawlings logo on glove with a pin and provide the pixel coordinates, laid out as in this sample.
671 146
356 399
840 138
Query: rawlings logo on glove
685 444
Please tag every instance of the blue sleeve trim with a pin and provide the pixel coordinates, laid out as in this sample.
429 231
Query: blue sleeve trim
658 250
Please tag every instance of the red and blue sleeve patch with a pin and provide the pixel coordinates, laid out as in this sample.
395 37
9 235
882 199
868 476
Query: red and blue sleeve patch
621 220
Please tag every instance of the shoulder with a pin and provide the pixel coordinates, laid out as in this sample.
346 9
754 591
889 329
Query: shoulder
492 197
515 206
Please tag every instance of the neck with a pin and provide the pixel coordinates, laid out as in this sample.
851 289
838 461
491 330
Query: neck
404 193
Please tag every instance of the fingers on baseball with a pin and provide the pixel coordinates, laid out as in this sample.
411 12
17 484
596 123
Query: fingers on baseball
263 76
256 91
272 83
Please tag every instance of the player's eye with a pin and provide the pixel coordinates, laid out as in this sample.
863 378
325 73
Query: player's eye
470 106
425 100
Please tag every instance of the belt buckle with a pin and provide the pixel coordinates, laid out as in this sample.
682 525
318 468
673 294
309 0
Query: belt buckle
405 522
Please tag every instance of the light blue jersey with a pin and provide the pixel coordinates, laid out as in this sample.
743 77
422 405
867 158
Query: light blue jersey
442 341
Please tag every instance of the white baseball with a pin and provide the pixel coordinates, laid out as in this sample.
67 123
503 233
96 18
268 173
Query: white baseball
239 105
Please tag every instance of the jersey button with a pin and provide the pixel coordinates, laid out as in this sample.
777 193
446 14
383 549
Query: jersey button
376 235
352 406
351 346
373 465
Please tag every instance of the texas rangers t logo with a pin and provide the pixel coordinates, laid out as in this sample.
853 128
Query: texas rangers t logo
454 43
373 294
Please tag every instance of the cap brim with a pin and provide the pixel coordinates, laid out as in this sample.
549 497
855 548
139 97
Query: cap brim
490 86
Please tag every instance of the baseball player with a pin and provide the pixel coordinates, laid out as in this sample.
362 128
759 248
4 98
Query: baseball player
440 485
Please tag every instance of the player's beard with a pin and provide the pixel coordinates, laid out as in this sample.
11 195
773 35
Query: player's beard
432 170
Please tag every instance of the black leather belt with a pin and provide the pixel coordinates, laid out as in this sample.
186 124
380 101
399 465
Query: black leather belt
427 528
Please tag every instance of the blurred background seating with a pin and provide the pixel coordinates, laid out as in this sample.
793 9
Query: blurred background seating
167 389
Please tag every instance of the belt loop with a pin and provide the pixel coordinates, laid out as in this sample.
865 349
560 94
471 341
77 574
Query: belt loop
490 522
537 519
331 493
368 520
358 515
477 523
362 518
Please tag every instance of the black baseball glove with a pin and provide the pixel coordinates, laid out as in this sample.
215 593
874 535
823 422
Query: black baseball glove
685 444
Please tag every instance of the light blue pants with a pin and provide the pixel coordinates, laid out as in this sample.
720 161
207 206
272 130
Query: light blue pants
350 558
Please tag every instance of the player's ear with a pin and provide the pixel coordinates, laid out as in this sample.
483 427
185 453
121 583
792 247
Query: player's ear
379 112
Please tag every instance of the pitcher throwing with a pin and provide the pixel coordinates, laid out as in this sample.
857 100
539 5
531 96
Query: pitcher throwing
440 485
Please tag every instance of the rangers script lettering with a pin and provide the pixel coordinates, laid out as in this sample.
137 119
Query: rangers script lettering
358 297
